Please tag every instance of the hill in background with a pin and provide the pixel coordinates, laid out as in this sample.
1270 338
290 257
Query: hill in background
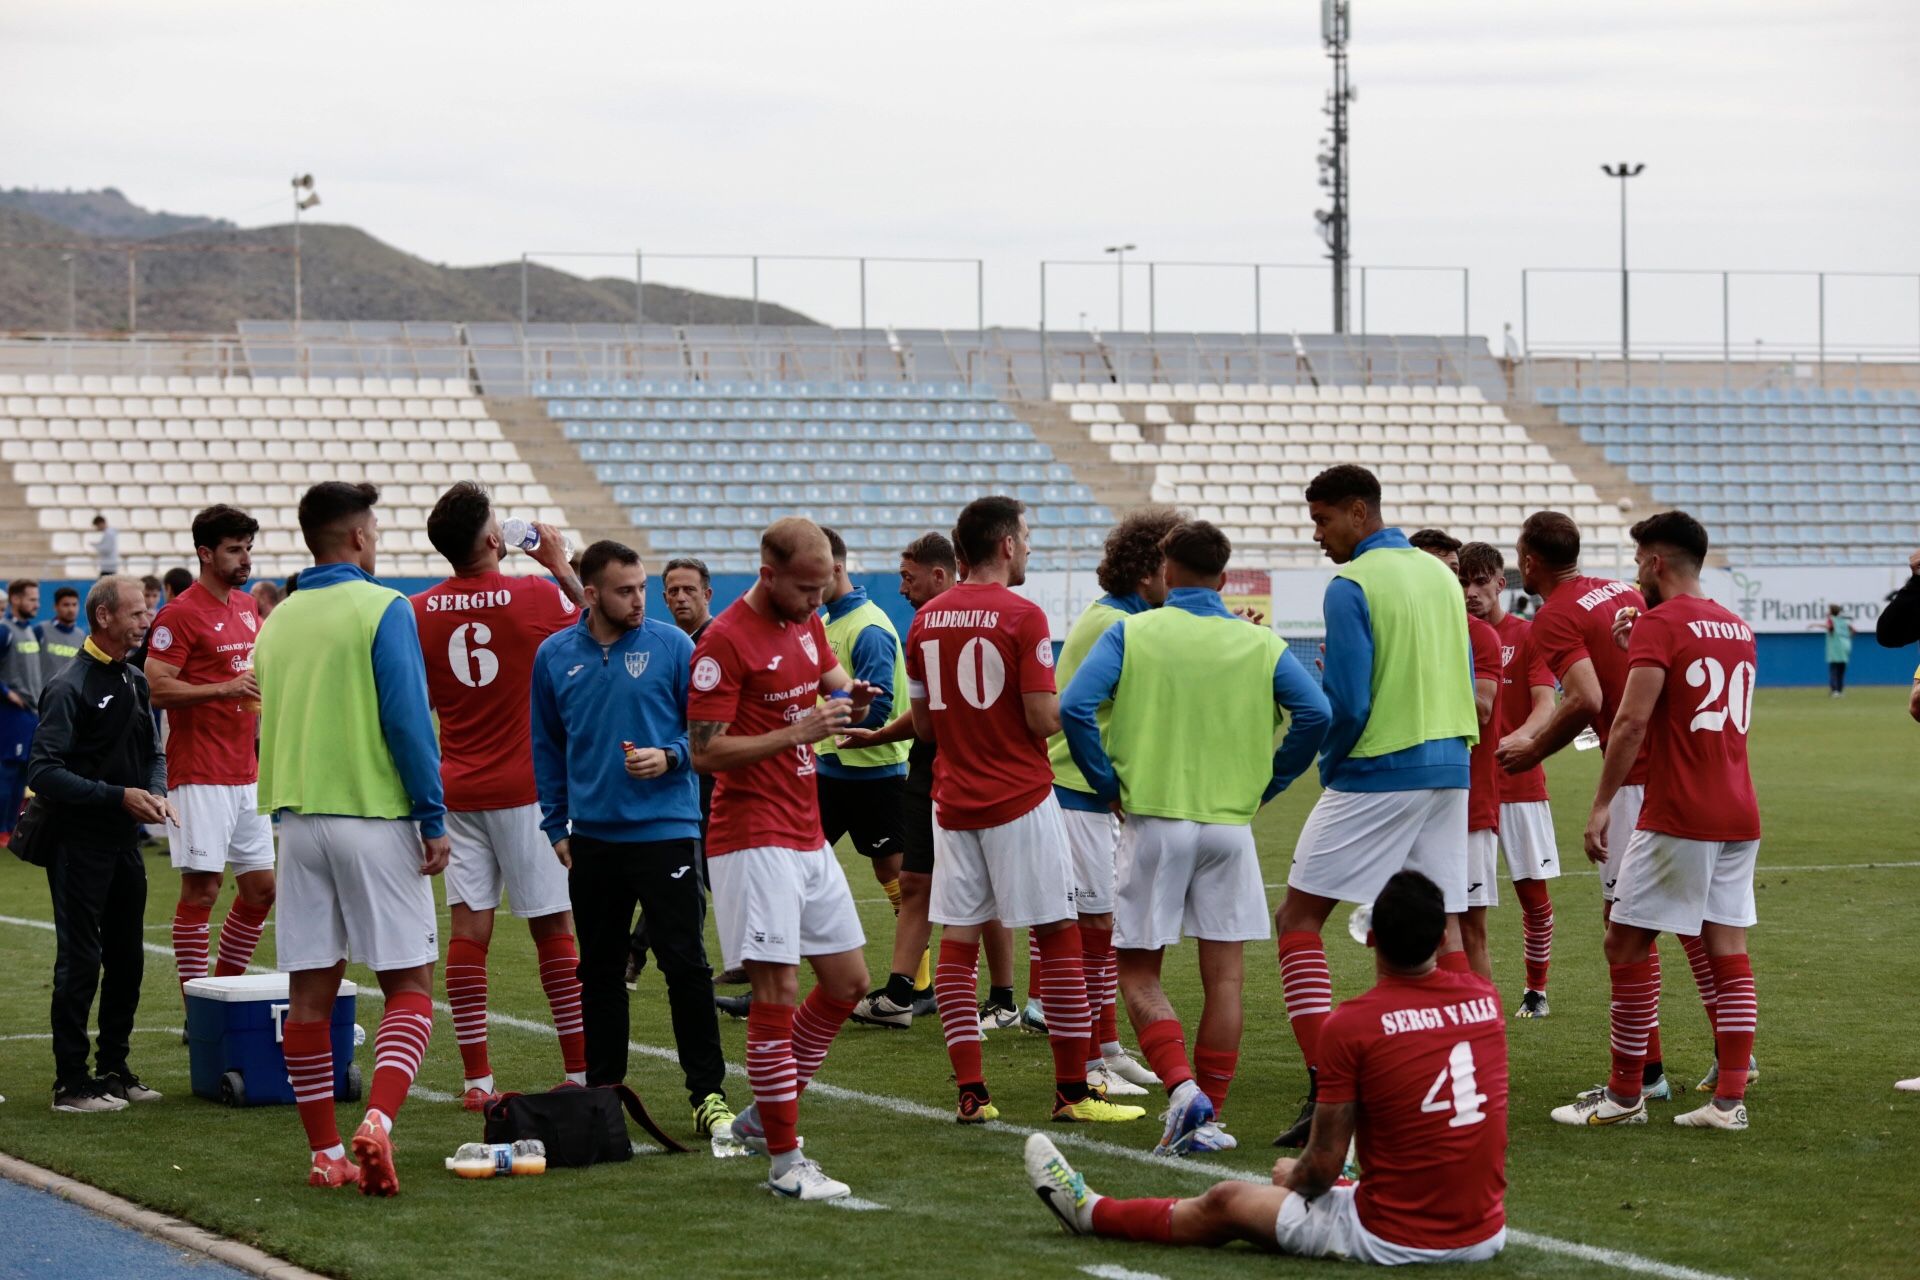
346 275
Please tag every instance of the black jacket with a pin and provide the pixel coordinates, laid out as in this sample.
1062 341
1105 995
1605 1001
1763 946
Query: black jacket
1899 623
97 737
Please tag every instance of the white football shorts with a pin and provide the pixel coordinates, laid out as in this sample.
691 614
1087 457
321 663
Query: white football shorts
1092 839
1188 879
1623 815
1671 885
1483 868
1354 841
220 827
781 905
1019 873
351 888
1329 1227
1526 836
496 848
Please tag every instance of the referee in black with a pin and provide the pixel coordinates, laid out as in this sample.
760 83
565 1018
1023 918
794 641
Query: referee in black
98 764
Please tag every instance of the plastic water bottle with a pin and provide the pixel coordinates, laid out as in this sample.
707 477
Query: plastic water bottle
1586 740
499 1159
521 535
359 1035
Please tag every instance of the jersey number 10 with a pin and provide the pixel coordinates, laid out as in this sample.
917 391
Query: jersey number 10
980 672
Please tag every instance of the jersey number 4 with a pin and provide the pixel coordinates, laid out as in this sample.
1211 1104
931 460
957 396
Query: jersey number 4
473 665
1465 1098
1738 690
980 672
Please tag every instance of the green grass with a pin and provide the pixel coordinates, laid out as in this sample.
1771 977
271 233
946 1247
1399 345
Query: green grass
1821 1186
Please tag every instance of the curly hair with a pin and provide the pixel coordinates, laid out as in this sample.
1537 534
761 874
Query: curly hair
1133 548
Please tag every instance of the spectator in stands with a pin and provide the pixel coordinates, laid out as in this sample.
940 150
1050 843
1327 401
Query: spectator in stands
106 547
98 762
1899 623
1839 629
65 634
152 587
266 595
22 675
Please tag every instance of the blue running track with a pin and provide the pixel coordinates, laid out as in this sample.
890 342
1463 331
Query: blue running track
48 1238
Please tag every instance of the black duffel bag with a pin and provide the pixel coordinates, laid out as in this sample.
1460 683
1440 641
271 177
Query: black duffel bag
580 1126
34 840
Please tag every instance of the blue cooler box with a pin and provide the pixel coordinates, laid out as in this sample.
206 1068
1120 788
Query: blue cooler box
234 1030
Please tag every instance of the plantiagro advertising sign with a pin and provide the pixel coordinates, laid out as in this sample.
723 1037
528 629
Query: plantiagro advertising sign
1787 598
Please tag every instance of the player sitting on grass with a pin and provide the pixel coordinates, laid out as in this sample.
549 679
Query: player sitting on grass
1414 1071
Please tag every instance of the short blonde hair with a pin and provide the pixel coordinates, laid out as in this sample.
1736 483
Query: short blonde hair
791 536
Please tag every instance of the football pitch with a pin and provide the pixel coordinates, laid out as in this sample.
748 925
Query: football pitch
1823 1184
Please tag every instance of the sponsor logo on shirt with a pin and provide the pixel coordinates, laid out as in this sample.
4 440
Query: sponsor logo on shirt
162 639
576 669
775 664
706 674
219 626
637 662
102 704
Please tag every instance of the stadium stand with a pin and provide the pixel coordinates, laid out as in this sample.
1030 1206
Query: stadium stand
1782 476
148 451
1240 454
703 466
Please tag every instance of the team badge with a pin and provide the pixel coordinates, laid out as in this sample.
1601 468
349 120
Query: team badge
706 674
637 662
162 639
253 623
806 642
1044 652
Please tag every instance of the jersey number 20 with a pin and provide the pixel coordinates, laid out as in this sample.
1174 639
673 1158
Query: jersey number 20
1739 691
981 672
1465 1098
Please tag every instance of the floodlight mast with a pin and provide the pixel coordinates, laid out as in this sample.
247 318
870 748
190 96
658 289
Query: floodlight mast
304 197
1335 26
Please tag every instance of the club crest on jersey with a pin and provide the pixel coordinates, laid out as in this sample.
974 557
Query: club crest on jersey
637 662
806 643
253 623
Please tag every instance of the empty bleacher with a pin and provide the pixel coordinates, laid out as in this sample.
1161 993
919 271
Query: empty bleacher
1240 455
704 466
1780 476
147 452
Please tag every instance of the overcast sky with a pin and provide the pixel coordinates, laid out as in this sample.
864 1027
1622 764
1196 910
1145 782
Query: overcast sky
1777 134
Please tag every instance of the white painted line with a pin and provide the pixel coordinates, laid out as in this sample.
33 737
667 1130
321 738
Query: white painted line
1618 1259
432 1095
856 1204
94 1032
1107 1271
1758 871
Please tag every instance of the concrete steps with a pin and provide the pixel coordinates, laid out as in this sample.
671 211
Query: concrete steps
1118 486
25 548
556 462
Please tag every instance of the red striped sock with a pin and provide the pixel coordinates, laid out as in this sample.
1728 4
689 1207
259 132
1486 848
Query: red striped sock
1635 1013
1096 954
1737 1017
560 977
1148 1220
1703 976
309 1054
955 978
189 941
1164 1045
398 1049
1453 962
1214 1068
1107 1016
1063 999
770 1071
1033 965
239 935
815 1024
1308 988
467 993
1536 926
1655 1057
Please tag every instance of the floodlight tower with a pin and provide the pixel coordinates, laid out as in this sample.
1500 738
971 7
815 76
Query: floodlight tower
1335 24
1623 171
304 197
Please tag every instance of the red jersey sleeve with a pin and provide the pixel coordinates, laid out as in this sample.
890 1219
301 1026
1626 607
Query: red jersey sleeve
556 612
717 673
916 665
1539 674
175 633
1556 638
1651 644
1034 637
1338 1072
1486 653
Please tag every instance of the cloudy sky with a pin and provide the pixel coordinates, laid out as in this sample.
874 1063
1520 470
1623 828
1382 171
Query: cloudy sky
1777 134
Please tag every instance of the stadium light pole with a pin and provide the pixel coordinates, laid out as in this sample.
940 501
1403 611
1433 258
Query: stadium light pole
1335 27
1624 171
68 258
304 197
1119 252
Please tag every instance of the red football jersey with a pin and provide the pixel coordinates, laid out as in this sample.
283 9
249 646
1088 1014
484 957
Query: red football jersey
209 642
972 655
754 675
1699 787
1576 622
1483 773
1425 1059
478 635
1522 671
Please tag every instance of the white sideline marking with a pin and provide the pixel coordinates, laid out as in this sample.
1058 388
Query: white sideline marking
1107 1271
93 1032
1758 871
1618 1259
856 1204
